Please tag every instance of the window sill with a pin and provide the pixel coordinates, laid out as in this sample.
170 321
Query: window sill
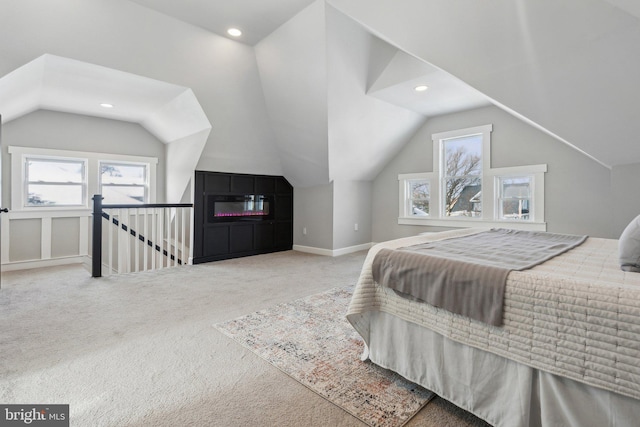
473 223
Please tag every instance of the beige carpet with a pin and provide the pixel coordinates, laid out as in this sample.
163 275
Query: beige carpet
311 340
140 349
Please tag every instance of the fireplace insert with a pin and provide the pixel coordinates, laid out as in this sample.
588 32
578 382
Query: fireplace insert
253 207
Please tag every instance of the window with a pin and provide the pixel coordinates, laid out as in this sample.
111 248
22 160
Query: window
50 179
465 191
514 200
54 182
418 200
462 176
123 183
415 195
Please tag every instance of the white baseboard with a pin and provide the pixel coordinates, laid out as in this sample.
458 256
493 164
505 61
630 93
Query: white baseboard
39 263
332 252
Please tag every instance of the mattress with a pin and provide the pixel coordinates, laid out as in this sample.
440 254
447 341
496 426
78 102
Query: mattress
576 315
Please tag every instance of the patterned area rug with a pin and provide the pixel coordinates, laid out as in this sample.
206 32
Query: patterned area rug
311 340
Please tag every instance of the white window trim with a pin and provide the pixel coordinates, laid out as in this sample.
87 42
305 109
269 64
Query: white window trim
147 185
438 154
489 189
25 184
402 191
537 191
19 155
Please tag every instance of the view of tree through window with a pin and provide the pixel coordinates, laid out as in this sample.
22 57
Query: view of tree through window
123 183
463 180
462 176
53 182
419 197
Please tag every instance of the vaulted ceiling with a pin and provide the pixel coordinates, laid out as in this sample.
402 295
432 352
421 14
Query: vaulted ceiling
255 18
333 88
569 67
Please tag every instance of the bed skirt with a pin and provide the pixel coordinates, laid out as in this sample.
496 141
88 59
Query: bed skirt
500 391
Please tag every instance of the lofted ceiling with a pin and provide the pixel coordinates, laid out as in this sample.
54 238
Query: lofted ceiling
341 101
444 94
561 66
567 67
259 19
324 89
255 18
167 111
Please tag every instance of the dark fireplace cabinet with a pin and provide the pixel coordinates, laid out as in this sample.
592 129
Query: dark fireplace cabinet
239 215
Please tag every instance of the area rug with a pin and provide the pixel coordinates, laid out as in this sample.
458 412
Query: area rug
311 340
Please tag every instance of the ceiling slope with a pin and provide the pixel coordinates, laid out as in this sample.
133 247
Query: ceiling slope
569 67
341 101
445 94
123 35
256 18
170 112
364 132
292 63
629 6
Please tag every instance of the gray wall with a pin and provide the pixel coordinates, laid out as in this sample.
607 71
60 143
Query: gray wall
351 205
577 189
24 240
330 212
63 131
626 195
313 210
222 73
65 237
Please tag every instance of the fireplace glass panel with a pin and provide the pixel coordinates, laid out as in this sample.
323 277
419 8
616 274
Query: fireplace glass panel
252 206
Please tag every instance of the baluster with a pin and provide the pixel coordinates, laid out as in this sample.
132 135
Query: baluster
168 224
119 242
136 241
175 236
183 236
127 239
160 238
154 240
110 240
169 230
191 233
145 248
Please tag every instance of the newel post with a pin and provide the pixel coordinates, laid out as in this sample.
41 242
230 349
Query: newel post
96 251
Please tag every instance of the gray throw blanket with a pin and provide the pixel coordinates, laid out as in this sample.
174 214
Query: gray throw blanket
467 275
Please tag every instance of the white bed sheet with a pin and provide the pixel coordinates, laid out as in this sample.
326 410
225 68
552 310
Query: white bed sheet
575 316
500 391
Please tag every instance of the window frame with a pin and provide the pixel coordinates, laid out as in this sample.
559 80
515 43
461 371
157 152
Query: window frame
405 181
26 182
537 173
489 195
438 140
145 186
500 197
444 178
18 160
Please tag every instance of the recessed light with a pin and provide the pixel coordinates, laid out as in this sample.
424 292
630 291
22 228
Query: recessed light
106 105
234 32
421 88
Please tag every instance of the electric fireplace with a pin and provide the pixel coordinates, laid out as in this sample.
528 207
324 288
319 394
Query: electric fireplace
238 215
224 208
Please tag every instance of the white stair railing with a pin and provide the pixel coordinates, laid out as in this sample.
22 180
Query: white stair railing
140 237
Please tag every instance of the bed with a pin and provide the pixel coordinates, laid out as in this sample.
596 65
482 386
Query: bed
567 351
